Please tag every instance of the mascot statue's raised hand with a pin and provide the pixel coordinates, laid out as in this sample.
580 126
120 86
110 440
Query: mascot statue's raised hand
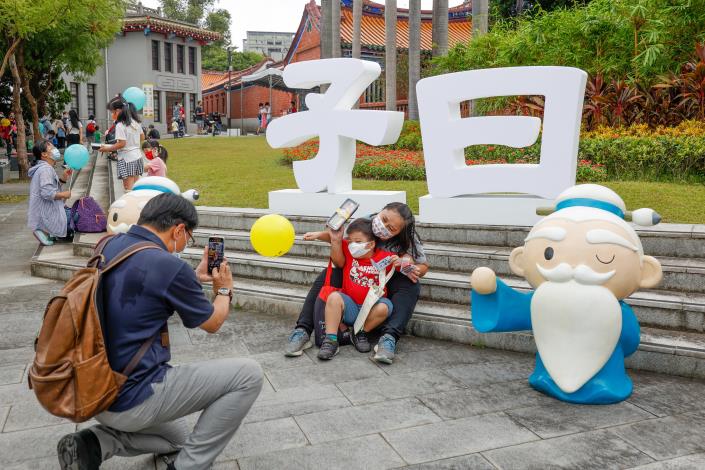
582 260
125 212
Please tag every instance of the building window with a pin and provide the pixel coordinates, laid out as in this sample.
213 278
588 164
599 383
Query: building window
155 55
90 94
192 106
167 57
157 108
192 60
179 58
74 96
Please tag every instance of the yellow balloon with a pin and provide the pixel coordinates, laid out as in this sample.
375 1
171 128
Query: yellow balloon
272 235
5 122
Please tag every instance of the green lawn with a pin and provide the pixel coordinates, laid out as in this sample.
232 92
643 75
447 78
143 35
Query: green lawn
239 172
11 198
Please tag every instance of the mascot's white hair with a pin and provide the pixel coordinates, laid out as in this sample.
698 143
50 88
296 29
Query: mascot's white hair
586 202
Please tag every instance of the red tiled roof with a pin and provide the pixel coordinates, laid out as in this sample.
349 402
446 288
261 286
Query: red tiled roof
213 79
373 30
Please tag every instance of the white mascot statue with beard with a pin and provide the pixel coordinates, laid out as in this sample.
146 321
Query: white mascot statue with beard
125 212
582 260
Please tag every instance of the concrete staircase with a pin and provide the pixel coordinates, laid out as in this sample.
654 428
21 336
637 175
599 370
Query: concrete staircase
672 317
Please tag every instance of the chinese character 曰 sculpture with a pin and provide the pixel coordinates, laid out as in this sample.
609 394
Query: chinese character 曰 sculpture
582 260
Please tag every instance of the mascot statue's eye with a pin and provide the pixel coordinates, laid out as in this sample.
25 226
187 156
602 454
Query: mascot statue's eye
115 217
548 253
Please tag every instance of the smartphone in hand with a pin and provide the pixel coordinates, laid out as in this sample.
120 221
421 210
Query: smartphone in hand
216 251
342 214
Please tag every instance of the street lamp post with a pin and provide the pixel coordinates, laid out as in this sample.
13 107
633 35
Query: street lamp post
230 73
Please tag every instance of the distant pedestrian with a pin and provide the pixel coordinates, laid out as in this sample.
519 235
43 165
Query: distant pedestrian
175 128
268 109
292 108
74 134
60 132
5 131
90 128
260 112
153 133
200 115
128 138
156 158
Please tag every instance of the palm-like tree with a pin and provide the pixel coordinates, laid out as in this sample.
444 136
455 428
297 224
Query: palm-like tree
440 28
414 55
479 17
335 28
390 54
357 28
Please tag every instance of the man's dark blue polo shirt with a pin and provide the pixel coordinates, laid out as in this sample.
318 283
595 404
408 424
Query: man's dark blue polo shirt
139 296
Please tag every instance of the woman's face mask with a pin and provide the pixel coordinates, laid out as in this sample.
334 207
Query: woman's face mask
358 249
379 229
55 154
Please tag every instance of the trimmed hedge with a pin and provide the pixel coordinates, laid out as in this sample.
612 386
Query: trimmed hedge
636 152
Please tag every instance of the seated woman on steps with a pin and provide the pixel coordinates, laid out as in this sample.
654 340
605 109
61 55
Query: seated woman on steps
395 227
355 255
47 216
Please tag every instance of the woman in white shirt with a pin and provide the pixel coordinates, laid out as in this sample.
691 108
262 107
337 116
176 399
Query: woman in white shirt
73 130
128 137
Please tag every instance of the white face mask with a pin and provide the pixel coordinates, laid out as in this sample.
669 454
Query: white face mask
55 154
176 252
357 249
379 229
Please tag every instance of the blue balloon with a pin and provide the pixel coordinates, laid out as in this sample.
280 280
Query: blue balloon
135 96
76 156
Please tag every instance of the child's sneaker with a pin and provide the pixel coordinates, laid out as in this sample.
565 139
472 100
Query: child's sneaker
299 340
361 342
329 348
384 350
43 238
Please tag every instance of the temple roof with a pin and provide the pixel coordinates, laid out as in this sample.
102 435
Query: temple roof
168 27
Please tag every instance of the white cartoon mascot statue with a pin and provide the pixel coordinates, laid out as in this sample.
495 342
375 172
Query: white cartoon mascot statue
582 260
125 212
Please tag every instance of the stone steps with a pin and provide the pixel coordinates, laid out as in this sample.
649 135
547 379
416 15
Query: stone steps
661 350
663 240
680 274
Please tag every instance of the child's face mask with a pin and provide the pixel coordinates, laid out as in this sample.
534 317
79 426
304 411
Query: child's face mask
149 154
358 249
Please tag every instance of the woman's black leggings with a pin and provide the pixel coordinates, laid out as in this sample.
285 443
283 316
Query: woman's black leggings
401 291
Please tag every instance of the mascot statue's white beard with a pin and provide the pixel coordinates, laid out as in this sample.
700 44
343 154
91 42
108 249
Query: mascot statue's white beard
575 339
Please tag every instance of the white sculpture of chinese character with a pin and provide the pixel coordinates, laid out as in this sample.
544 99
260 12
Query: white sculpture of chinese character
331 118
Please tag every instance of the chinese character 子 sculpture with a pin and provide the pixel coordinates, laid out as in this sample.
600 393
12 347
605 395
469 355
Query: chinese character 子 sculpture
331 118
582 260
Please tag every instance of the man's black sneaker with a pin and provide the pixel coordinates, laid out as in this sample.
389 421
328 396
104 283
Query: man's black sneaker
361 342
329 348
79 451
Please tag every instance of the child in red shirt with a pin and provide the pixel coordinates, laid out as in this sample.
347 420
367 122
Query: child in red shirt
355 255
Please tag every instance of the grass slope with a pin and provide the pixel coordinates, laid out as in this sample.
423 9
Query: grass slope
239 172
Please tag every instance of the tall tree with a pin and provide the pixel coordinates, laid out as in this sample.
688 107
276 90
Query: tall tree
357 29
414 56
215 56
190 11
390 54
440 28
335 28
479 17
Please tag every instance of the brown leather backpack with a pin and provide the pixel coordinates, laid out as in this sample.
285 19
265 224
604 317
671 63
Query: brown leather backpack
71 375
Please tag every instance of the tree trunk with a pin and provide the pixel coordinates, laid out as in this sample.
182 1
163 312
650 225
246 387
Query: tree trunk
357 35
335 29
19 119
519 7
390 55
441 43
414 55
357 29
27 92
326 19
8 53
479 17
434 29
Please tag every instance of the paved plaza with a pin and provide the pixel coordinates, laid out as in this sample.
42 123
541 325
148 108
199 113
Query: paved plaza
439 406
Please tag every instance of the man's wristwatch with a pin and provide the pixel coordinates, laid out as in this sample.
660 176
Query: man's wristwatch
225 291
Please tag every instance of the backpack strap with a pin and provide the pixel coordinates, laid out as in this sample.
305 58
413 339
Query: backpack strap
127 252
164 331
97 259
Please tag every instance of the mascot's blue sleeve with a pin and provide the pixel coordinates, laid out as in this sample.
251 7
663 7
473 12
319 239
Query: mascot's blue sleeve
629 339
504 310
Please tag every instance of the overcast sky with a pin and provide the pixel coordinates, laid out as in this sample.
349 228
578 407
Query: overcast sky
274 15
